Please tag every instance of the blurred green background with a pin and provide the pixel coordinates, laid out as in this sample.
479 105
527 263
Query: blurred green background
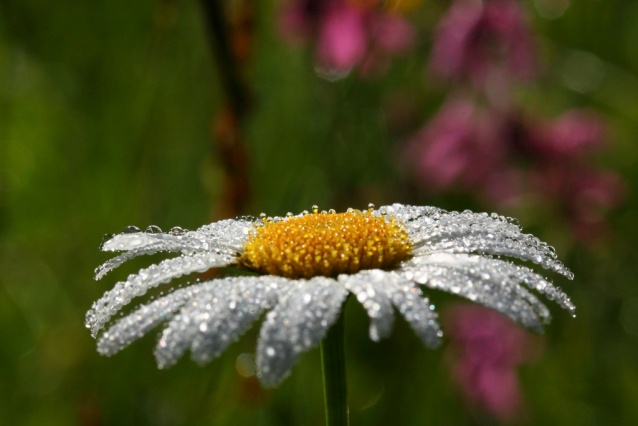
107 111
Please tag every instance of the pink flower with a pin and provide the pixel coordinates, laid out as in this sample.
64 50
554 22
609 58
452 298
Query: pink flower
342 39
503 156
346 33
594 193
488 348
391 33
572 135
460 146
495 389
475 37
584 194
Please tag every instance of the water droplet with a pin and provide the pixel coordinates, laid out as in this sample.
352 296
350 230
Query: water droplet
154 229
107 237
130 230
332 74
289 214
270 351
245 365
315 209
306 298
176 230
332 211
370 207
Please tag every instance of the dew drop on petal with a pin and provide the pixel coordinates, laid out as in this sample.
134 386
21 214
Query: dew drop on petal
176 230
245 365
154 229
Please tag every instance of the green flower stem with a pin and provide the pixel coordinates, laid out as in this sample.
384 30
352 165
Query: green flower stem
334 374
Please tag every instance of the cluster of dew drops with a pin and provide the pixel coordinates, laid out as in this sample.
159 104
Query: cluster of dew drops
152 229
263 217
176 230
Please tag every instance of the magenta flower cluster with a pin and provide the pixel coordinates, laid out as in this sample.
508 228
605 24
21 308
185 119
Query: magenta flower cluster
476 39
486 349
504 156
480 142
347 34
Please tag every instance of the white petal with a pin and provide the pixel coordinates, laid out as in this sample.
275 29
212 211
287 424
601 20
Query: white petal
418 312
115 262
133 326
378 290
230 233
298 322
138 284
223 237
483 280
434 230
376 297
221 311
127 241
407 213
537 282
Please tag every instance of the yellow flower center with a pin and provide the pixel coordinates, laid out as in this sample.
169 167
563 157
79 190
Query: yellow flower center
326 244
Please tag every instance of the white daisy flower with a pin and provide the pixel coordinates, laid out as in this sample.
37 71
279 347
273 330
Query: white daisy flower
308 265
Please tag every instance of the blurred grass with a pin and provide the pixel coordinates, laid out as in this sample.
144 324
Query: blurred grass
105 121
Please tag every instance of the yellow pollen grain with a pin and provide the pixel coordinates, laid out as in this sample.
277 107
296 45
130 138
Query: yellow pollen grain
326 244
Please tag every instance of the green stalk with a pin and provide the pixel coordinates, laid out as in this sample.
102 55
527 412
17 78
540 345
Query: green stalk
334 374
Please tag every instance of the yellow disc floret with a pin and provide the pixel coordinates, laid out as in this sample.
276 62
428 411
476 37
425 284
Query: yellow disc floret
326 244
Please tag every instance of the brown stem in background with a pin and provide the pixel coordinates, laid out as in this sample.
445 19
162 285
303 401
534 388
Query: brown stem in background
231 41
231 36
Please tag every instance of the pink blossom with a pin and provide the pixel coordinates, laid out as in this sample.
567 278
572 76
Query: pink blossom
347 33
504 156
488 348
475 37
391 32
461 145
594 194
342 39
572 135
496 389
390 35
584 194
